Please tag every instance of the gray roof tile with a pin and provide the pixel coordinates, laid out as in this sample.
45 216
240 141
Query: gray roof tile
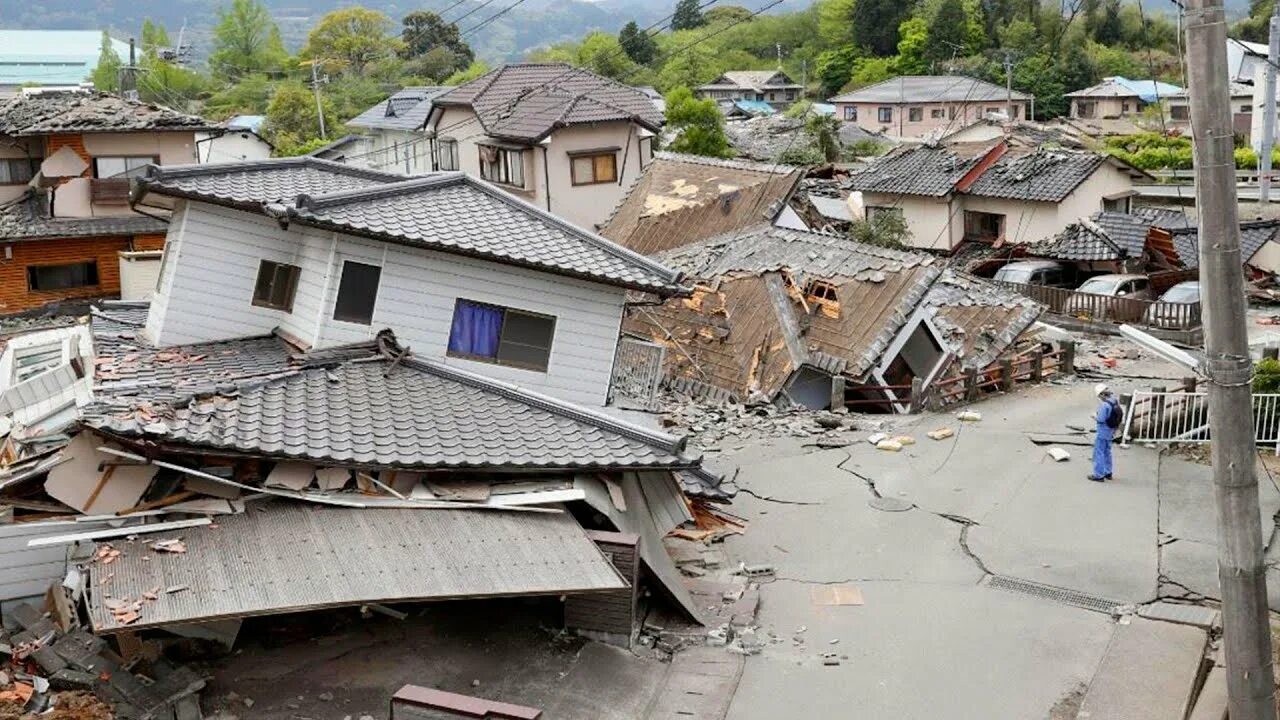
449 212
81 112
1043 174
28 219
930 170
406 109
1105 236
929 88
1253 235
527 101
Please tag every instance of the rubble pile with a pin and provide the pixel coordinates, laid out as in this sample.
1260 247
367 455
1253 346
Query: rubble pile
732 426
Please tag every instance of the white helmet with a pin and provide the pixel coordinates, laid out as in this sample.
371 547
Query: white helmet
1101 389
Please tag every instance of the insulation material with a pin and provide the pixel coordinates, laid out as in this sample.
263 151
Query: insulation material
292 475
92 481
401 481
332 479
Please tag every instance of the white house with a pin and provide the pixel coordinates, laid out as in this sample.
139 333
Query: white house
239 138
394 131
330 254
563 138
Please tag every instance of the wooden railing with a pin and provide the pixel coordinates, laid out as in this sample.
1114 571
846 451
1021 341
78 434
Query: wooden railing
1112 309
109 190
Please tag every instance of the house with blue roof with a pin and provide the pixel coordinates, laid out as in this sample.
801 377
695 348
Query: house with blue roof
1118 97
48 58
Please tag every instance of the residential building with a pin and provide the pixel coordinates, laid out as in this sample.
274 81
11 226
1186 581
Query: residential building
1243 119
769 86
916 106
1118 97
354 150
682 199
469 276
993 193
50 58
394 128
66 159
239 138
560 137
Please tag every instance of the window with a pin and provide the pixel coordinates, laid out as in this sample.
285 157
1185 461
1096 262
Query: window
875 212
984 227
850 112
885 114
993 111
937 113
1124 107
31 361
1085 109
447 154
1179 112
791 95
1246 108
15 171
502 165
123 166
915 114
357 292
593 168
501 335
63 277
1117 204
276 285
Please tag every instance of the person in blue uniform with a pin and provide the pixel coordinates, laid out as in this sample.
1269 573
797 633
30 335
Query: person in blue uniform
1108 420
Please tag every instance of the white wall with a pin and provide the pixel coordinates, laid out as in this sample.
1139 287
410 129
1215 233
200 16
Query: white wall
399 152
138 274
232 146
926 217
207 295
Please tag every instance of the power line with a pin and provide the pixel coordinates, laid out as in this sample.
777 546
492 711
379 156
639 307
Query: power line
499 14
472 11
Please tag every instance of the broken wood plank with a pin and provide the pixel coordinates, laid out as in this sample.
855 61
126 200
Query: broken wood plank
265 490
79 484
173 499
117 532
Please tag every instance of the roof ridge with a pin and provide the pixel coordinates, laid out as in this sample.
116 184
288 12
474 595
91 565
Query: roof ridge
564 408
340 197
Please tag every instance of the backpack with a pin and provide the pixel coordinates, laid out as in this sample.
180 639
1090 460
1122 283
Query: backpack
1115 418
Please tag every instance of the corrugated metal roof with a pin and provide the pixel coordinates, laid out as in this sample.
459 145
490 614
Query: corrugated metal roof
287 557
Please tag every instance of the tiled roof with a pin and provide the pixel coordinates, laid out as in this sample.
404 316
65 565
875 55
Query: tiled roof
449 212
415 415
1163 217
980 319
27 219
681 199
1253 235
1105 236
929 89
1043 174
754 79
1146 90
930 170
527 101
406 109
89 112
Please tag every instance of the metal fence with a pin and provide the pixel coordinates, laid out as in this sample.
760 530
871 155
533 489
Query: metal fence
1182 416
637 372
1108 308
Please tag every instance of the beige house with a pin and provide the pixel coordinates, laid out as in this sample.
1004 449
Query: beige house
560 137
771 86
918 106
991 192
1117 97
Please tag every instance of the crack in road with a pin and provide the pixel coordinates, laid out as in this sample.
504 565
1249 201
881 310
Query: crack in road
871 484
780 501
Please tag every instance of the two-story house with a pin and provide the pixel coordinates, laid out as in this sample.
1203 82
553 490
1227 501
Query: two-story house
466 274
560 137
770 86
914 106
991 192
66 158
1119 97
394 131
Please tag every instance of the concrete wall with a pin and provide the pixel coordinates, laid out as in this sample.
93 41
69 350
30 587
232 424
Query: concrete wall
232 146
173 148
902 125
417 292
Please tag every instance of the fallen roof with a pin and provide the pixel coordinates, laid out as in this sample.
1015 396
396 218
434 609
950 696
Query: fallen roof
1254 235
929 89
288 557
27 218
406 110
1105 236
448 212
528 101
681 199
357 406
757 80
89 112
1117 86
979 319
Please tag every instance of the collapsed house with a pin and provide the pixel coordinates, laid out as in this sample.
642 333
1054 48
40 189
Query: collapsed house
817 320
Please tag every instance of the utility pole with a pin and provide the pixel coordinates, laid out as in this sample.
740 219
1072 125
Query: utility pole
128 80
315 85
778 47
1269 110
1241 571
1008 84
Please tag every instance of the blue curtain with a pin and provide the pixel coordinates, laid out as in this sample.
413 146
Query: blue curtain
476 329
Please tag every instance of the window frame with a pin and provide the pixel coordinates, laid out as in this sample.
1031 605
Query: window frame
915 114
150 160
373 303
503 162
851 113
884 114
447 147
497 357
594 157
91 263
937 114
30 165
293 273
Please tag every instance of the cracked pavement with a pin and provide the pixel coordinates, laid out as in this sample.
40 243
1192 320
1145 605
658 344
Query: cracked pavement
930 635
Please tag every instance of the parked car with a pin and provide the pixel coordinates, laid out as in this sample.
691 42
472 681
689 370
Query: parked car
1034 272
1178 307
1111 298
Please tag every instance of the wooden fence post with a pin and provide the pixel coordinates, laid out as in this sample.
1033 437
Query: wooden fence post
971 384
837 392
1037 365
1067 365
1006 375
917 396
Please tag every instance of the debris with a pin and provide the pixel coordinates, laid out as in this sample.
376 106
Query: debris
904 440
830 422
331 479
116 532
890 445
291 475
175 589
836 595
877 438
383 610
81 484
1058 454
941 433
171 545
755 571
969 416
830 659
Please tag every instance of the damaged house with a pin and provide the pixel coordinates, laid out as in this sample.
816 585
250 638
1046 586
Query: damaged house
820 321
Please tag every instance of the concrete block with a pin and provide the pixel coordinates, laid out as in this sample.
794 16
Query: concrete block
1148 672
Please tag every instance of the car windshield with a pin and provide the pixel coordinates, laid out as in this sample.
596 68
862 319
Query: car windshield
1182 294
1099 286
1018 275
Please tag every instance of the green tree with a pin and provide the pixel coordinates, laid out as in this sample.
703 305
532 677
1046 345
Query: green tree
601 53
347 40
106 75
948 32
825 131
698 124
875 24
1075 67
246 41
249 96
687 16
154 37
467 74
835 22
291 116
168 84
1039 76
975 32
834 68
638 45
884 229
697 63
726 14
913 47
1021 36
424 31
435 64
871 70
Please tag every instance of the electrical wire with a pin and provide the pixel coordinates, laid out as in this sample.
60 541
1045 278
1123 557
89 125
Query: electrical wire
472 11
499 14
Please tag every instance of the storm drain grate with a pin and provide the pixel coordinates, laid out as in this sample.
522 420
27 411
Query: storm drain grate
1050 592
